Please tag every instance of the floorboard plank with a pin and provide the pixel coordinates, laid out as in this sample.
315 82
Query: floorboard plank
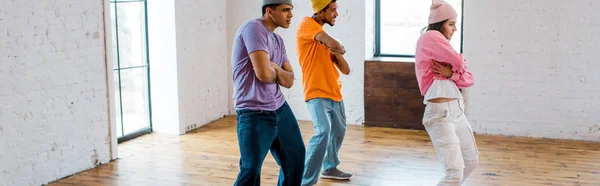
377 156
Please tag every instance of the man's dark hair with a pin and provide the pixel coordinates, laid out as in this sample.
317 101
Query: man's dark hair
271 6
326 7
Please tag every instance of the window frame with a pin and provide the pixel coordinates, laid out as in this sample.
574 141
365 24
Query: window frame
122 136
377 52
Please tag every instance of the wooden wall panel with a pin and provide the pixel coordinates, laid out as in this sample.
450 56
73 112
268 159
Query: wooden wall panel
392 97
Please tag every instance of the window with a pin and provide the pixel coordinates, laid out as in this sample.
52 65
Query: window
398 25
131 68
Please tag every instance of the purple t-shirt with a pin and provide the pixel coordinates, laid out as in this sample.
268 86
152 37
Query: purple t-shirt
249 92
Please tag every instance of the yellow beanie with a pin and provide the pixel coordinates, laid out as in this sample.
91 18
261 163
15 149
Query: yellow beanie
318 5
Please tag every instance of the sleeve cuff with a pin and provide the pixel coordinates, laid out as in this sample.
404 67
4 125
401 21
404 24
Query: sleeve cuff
455 76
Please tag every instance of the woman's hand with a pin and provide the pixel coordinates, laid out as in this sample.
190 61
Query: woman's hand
440 69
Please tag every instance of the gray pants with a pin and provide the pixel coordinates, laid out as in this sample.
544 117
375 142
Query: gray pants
453 139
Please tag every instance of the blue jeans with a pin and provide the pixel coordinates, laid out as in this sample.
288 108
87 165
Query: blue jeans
260 131
329 123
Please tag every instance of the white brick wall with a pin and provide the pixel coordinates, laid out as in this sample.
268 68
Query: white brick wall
535 66
350 30
201 28
53 94
238 12
351 22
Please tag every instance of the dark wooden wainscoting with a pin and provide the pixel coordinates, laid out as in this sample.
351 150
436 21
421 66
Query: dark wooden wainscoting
392 97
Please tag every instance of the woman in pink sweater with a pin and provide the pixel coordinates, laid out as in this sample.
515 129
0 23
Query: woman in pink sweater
441 72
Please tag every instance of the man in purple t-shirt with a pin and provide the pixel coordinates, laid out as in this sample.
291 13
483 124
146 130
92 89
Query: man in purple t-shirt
265 120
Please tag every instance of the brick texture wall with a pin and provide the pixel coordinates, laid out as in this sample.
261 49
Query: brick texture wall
536 68
201 29
53 90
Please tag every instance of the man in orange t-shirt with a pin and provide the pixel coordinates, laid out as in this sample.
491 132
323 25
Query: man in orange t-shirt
321 57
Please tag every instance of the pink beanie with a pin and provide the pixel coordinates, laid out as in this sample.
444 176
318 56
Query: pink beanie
440 11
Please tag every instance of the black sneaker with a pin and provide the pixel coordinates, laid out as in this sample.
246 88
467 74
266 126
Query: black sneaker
336 174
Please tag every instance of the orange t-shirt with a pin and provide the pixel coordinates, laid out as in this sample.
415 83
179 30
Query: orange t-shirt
320 77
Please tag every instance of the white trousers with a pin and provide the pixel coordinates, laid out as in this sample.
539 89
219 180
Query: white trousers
453 139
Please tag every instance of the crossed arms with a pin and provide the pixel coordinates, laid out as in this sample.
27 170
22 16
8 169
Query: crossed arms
457 64
269 72
337 51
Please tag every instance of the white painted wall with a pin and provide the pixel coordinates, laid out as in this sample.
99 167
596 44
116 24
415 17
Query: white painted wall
188 54
369 28
163 67
202 55
53 79
536 65
351 22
